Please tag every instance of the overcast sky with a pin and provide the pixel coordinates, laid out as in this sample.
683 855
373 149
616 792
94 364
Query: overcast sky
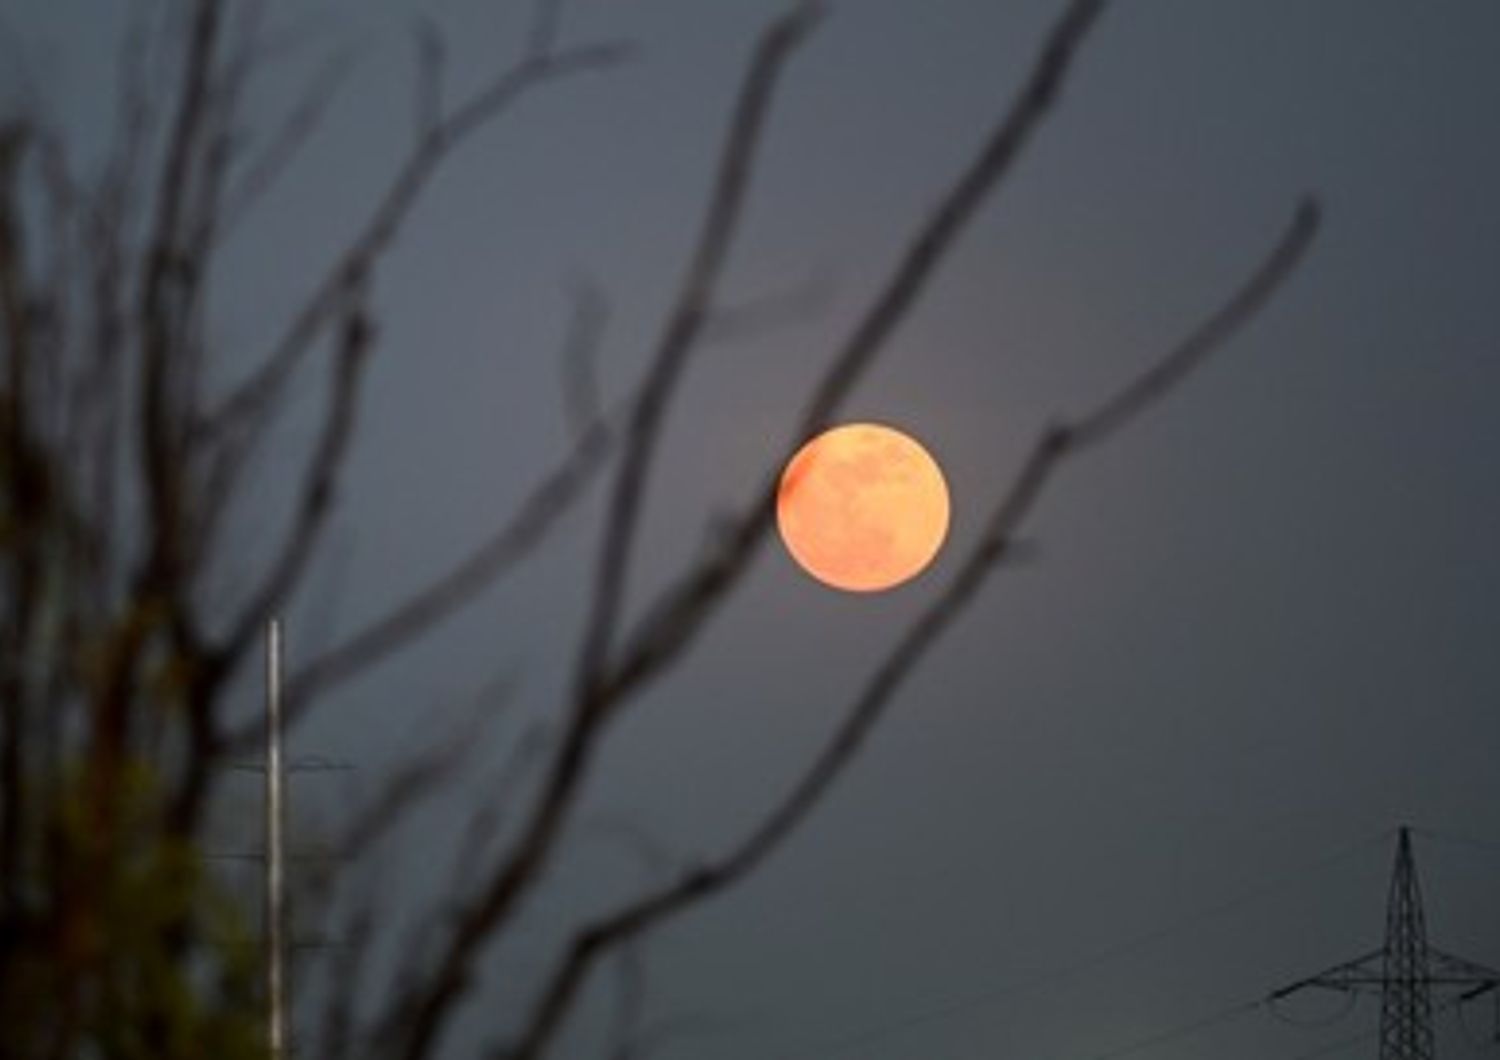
1258 632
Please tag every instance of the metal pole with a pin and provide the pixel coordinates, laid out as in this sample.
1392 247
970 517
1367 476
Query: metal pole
275 907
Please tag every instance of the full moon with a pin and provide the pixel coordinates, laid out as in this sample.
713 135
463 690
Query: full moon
862 507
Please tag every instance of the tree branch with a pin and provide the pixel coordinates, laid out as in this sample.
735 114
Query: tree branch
1054 446
345 981
320 480
582 406
681 612
248 405
432 54
423 773
417 1021
160 310
260 174
461 585
683 327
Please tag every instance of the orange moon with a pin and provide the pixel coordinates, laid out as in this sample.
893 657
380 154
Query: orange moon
862 507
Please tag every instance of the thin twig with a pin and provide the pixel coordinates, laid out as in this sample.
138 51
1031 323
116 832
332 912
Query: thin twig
775 309
424 773
461 585
160 418
500 797
246 406
345 979
320 482
582 405
260 174
1054 445
420 1015
680 613
542 34
432 61
683 327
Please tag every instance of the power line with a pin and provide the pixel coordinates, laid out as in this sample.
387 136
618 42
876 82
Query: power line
1184 1030
844 1043
1233 1012
1337 1046
1364 1036
1456 839
1350 998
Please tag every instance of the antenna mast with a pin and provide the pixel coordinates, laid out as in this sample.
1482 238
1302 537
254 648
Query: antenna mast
275 852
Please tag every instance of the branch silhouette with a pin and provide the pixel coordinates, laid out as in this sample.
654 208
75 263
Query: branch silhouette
1051 449
681 612
124 454
418 1018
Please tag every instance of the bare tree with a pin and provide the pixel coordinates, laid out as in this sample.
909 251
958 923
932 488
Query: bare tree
121 467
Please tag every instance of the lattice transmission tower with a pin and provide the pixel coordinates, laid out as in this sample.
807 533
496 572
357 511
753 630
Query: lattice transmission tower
1406 972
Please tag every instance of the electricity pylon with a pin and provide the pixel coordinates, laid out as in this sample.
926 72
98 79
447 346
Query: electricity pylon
1406 972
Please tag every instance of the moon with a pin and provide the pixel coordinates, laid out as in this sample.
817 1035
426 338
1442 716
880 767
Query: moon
862 507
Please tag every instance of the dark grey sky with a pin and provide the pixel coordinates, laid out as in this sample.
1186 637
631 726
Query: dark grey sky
1261 628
